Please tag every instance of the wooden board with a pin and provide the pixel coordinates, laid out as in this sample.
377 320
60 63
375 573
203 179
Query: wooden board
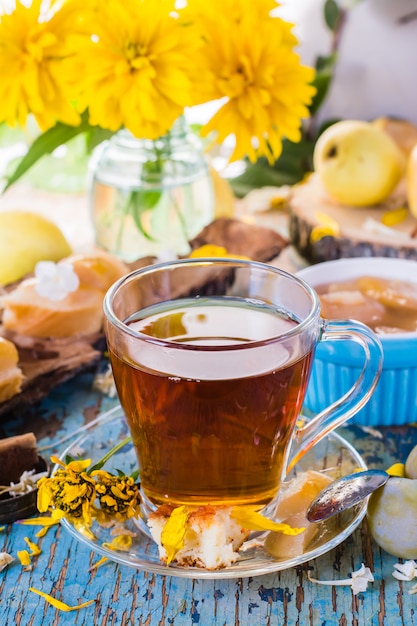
362 233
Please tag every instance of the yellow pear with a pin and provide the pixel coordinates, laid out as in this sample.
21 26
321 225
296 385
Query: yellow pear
358 163
25 239
412 181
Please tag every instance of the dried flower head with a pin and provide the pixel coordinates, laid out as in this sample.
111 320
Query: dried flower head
118 496
70 492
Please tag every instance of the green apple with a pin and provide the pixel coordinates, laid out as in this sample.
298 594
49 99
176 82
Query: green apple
392 517
358 163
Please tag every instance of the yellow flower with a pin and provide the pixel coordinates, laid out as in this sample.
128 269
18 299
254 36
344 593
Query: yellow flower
32 47
254 67
70 491
135 69
118 496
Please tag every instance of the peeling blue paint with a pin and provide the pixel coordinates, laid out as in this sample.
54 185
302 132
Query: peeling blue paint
274 594
251 606
195 615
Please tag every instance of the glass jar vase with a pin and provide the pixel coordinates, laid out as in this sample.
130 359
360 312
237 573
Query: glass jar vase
150 197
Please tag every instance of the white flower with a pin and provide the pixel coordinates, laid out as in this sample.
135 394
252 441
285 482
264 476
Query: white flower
5 559
359 580
27 482
405 571
105 383
55 280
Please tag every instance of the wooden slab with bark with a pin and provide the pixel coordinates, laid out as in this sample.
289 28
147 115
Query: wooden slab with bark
362 233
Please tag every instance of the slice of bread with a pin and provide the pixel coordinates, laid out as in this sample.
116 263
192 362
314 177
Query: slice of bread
28 313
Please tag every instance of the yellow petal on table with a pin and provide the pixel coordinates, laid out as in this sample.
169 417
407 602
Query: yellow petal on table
24 557
58 604
121 542
395 216
38 521
398 469
34 548
97 564
252 520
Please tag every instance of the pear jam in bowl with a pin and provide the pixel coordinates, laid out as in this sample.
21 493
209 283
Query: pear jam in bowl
381 292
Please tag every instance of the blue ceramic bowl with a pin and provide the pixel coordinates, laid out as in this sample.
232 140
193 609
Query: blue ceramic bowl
337 365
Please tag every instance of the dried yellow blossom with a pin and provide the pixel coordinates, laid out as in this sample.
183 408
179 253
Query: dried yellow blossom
70 491
118 496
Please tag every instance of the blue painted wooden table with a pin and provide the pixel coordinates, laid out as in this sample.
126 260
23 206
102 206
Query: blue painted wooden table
126 596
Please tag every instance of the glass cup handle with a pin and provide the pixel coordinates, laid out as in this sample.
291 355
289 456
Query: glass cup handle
307 435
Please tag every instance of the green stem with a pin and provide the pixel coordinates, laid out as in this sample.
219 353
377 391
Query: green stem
109 454
179 215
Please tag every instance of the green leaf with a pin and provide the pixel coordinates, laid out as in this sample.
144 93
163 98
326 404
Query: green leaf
331 14
290 168
95 136
135 475
46 144
139 203
322 80
109 454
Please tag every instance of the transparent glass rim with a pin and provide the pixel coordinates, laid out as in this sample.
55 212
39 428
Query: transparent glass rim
295 331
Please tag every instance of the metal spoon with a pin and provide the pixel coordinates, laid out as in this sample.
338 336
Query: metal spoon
344 493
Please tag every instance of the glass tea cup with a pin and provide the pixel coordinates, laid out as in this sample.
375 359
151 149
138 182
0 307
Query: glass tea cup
211 360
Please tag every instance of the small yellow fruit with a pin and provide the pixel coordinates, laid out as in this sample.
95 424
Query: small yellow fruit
411 179
11 376
358 163
223 195
25 239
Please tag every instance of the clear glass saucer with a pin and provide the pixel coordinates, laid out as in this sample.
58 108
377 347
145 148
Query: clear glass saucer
334 454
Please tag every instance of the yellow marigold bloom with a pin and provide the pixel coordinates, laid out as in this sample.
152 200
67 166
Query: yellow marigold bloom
33 44
135 67
70 491
118 496
254 67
